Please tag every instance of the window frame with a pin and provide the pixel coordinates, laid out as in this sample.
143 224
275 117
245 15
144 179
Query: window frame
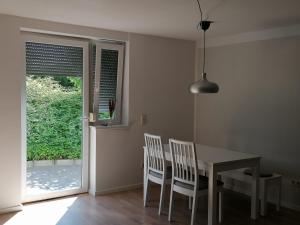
119 90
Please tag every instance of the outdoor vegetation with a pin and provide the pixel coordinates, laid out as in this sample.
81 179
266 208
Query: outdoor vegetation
54 110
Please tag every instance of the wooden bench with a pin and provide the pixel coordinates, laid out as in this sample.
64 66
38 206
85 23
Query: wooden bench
266 182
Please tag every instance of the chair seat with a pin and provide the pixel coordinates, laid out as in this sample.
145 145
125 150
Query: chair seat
261 174
159 175
203 183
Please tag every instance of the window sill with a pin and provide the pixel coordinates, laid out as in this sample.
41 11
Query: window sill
116 126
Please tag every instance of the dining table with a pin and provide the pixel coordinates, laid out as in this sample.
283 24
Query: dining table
214 160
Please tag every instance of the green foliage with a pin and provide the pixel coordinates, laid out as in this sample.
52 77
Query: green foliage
104 115
54 110
69 82
63 81
43 152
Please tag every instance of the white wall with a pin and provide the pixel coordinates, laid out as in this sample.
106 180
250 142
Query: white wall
154 64
257 109
10 114
160 71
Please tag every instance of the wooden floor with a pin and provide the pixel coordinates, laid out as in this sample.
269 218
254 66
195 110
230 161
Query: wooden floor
126 208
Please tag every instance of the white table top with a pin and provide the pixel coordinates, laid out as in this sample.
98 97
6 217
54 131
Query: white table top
217 155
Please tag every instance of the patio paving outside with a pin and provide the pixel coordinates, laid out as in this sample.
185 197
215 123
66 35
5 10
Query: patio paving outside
45 179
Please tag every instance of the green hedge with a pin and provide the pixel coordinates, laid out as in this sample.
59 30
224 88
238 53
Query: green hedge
54 110
46 153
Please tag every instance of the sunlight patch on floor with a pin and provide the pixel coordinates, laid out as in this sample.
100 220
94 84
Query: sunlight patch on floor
44 213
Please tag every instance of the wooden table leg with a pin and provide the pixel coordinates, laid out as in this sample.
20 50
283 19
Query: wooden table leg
212 196
255 192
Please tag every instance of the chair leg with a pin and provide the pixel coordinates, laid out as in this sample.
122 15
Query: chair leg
146 192
194 209
220 206
171 203
278 196
161 201
263 202
190 202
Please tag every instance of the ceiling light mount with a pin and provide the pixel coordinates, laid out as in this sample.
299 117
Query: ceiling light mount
204 24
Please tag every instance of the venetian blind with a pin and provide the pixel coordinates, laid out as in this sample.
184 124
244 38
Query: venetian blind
53 60
108 77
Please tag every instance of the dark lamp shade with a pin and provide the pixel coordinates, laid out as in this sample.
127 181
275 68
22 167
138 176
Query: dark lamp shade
204 86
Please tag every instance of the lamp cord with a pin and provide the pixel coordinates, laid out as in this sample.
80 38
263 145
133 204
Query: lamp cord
203 67
199 25
199 6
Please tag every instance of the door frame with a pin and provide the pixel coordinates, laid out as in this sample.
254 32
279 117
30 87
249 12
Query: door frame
67 41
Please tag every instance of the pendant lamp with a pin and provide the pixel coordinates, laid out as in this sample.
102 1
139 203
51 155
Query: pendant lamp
203 85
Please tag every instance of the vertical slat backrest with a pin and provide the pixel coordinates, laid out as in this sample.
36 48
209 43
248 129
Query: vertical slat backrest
184 161
156 156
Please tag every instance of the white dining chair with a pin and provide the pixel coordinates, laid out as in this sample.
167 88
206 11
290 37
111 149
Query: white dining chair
186 179
157 169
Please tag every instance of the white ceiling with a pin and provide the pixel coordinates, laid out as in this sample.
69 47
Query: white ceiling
169 18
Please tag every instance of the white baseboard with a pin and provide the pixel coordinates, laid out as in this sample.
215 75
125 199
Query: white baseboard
12 209
116 189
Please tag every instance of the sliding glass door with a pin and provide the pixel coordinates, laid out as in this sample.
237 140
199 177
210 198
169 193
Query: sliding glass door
55 117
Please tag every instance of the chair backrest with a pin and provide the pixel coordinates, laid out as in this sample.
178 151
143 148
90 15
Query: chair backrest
184 161
155 152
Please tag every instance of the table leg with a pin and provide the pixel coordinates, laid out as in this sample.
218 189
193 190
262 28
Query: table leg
145 174
255 192
212 196
264 197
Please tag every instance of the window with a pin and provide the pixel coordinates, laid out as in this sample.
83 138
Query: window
107 72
